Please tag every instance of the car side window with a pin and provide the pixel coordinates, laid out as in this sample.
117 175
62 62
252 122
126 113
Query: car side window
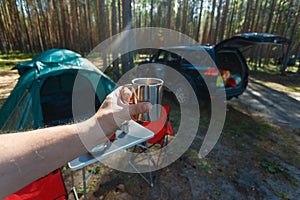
171 57
161 56
184 61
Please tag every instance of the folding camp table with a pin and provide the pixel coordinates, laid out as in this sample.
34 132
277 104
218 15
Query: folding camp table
136 135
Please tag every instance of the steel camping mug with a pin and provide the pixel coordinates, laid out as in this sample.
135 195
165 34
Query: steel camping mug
149 90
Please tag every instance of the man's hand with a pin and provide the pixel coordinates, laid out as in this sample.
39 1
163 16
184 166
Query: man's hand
116 109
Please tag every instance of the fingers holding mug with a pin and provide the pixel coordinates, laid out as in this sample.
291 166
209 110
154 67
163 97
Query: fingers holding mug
126 94
129 99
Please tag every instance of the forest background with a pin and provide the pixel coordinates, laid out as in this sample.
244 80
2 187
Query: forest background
80 25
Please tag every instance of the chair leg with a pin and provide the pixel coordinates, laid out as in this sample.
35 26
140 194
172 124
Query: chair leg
166 140
75 193
73 190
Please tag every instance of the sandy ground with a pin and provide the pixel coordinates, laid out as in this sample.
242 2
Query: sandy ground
8 80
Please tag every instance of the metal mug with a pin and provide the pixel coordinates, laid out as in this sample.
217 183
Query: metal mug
149 90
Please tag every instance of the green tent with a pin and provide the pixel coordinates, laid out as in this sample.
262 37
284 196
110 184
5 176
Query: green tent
49 88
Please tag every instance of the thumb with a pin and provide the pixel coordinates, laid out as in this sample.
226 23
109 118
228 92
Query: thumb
139 108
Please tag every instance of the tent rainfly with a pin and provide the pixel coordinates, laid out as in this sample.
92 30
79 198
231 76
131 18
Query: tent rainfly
50 86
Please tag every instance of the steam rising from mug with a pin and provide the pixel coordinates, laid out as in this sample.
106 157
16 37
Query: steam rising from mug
149 90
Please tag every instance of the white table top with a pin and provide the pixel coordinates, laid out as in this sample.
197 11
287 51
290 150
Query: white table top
136 135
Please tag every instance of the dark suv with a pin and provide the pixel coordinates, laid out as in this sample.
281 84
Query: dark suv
226 65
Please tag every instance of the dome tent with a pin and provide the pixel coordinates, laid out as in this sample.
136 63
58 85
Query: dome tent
43 94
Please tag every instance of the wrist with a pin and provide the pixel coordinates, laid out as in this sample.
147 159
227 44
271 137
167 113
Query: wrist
92 133
106 123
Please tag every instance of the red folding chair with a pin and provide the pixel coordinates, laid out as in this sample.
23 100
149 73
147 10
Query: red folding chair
49 187
161 128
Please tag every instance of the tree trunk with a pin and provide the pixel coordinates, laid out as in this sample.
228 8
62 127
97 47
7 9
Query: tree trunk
15 40
18 27
199 22
238 25
104 29
139 20
65 22
56 25
116 69
178 18
98 19
134 16
247 16
224 21
31 28
44 26
212 25
107 21
205 38
254 14
151 13
9 27
3 40
184 16
38 27
258 17
127 59
126 12
229 32
79 36
114 17
120 18
275 25
2 50
169 14
74 25
289 18
292 40
28 39
262 17
280 29
159 17
86 36
218 22
89 26
269 23
102 23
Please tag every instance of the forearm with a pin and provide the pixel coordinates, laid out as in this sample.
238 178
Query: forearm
27 156
39 152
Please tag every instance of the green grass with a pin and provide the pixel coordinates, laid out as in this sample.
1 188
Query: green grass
272 68
205 166
282 195
238 124
271 167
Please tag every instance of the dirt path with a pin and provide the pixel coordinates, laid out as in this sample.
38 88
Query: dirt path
276 105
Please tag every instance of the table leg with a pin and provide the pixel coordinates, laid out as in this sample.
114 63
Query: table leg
150 180
84 183
149 165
